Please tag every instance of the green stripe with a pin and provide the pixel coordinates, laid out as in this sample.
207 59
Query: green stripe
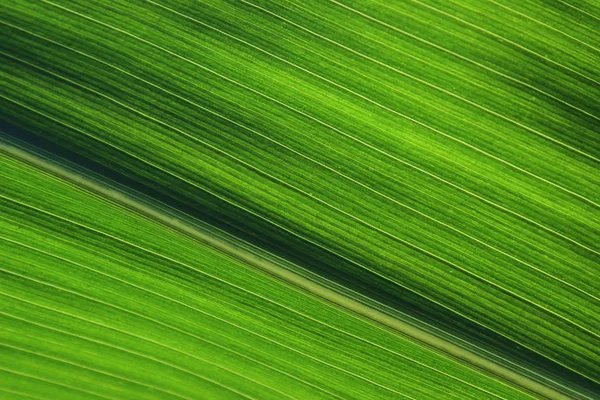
438 157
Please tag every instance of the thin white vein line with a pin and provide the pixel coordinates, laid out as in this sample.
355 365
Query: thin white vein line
185 333
53 328
365 223
227 200
62 360
395 49
432 65
308 240
579 9
573 286
183 304
536 132
6 390
187 266
499 37
382 106
108 345
241 125
308 116
543 24
235 286
458 55
143 317
45 307
320 122
383 44
218 300
92 369
292 310
390 46
96 323
305 285
59 288
215 278
327 80
311 339
577 21
37 378
219 115
173 300
333 252
331 206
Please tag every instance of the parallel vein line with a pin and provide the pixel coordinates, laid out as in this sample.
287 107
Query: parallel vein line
230 304
579 9
37 378
59 288
85 367
545 24
30 396
474 104
175 350
424 193
384 107
502 38
173 300
333 207
460 56
308 116
391 199
235 204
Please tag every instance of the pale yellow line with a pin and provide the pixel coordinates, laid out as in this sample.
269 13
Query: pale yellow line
287 275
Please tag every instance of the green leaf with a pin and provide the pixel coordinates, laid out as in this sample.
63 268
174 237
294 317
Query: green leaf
409 190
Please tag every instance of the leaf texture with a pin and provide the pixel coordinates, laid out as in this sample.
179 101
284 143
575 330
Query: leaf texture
440 158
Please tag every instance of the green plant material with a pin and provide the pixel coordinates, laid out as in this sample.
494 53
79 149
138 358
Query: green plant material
86 297
438 157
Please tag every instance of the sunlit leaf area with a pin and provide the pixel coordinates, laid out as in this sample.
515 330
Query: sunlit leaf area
300 199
